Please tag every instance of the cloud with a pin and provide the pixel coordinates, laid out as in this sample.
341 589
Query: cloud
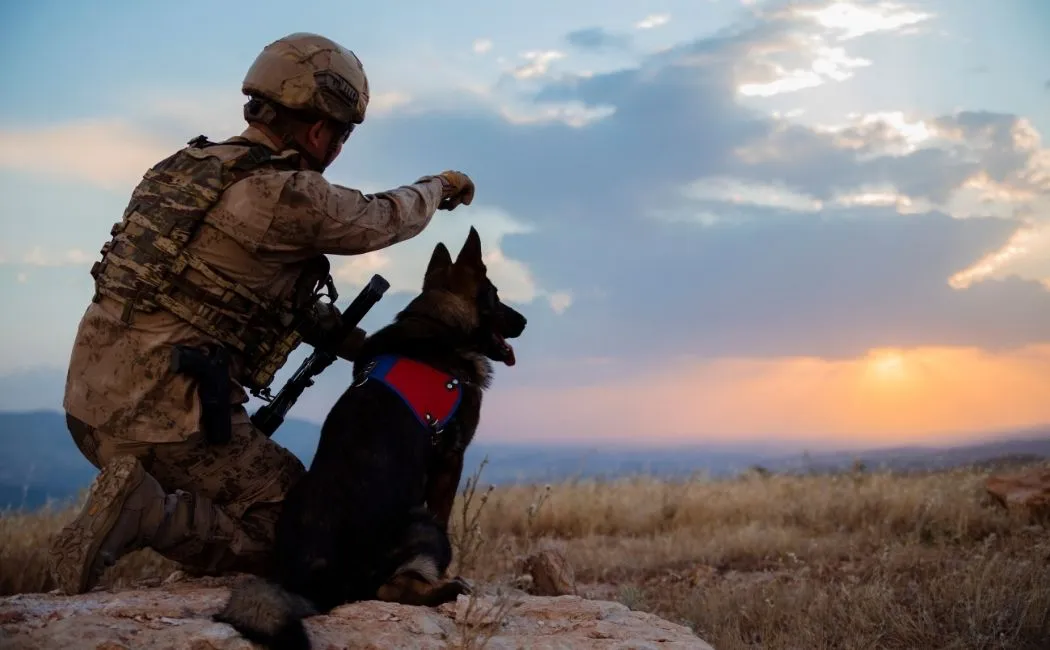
652 21
713 190
482 45
850 20
703 222
113 153
786 283
674 120
801 46
596 38
677 221
560 301
403 265
37 257
1030 241
538 65
109 153
967 164
383 103
573 114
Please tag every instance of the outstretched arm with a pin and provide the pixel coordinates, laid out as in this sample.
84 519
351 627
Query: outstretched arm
333 219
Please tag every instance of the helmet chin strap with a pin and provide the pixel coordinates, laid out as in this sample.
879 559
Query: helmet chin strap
312 161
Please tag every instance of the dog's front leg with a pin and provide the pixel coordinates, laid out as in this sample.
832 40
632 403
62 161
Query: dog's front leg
442 485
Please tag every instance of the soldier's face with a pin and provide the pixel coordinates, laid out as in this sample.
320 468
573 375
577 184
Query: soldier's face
325 141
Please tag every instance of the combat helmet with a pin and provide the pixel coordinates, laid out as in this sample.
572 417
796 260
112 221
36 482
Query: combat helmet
309 73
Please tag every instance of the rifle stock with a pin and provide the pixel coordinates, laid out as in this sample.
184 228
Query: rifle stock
271 415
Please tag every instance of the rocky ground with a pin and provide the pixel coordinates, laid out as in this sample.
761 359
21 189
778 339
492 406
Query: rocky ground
176 615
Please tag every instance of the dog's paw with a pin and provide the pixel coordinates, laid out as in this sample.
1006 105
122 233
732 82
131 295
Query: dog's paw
464 588
449 591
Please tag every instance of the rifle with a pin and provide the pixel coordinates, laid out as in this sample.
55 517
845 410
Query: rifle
271 415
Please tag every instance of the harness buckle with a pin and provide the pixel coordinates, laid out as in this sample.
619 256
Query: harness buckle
362 378
435 430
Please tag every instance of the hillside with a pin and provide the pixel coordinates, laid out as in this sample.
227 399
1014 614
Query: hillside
38 460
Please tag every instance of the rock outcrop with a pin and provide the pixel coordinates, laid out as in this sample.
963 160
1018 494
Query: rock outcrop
548 573
177 616
1025 492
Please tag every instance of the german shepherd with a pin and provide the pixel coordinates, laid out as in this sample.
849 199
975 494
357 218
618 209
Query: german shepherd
369 519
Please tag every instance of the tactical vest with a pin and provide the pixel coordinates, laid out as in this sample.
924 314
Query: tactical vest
144 266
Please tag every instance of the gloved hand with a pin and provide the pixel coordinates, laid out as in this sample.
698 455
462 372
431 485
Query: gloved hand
351 344
325 318
324 326
456 189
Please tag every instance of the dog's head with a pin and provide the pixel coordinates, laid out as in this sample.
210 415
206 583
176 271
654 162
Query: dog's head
461 295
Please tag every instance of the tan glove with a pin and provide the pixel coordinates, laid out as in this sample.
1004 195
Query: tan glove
456 189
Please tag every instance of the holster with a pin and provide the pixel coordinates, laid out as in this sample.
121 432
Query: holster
209 366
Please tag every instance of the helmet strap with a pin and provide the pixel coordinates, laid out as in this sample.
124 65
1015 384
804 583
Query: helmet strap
290 142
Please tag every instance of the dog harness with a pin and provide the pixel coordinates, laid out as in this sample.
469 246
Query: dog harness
432 396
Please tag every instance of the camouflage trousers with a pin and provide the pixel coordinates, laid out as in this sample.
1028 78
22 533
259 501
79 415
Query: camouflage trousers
229 496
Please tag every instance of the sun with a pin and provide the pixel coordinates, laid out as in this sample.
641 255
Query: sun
888 365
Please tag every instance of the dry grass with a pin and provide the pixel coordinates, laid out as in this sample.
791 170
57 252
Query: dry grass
857 560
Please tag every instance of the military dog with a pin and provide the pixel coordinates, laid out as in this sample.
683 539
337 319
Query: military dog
369 519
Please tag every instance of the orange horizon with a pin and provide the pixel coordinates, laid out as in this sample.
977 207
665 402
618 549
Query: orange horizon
932 395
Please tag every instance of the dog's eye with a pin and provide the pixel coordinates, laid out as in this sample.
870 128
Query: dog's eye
487 296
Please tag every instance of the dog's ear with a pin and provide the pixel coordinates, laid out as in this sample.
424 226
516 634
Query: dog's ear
470 254
440 261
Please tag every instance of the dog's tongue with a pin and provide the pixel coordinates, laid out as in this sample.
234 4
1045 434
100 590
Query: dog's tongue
508 351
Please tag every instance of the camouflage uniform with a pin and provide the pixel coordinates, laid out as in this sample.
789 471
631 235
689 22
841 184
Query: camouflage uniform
163 485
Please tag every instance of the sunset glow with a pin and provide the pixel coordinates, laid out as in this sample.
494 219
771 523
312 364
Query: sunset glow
888 397
888 365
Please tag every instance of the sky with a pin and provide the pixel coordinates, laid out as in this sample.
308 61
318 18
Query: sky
822 223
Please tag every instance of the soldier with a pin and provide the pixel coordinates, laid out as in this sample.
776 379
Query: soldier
221 248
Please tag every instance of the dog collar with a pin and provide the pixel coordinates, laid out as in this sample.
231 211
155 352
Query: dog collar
432 396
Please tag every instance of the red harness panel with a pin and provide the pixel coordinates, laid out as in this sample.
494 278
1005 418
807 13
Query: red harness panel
432 395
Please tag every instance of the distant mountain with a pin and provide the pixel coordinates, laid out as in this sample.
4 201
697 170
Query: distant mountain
39 461
36 389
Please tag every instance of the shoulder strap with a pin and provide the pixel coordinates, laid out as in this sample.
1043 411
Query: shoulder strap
257 155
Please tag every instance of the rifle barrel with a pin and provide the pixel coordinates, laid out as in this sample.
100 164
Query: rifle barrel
271 415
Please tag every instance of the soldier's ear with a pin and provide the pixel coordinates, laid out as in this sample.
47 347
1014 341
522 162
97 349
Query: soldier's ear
440 261
470 254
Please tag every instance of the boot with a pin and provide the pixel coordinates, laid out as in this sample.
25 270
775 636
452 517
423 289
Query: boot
126 509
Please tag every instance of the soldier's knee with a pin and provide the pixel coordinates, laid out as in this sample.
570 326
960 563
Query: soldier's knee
84 438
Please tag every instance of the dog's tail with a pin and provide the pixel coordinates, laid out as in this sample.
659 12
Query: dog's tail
267 614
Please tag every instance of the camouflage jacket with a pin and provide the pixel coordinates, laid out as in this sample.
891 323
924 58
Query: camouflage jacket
261 234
